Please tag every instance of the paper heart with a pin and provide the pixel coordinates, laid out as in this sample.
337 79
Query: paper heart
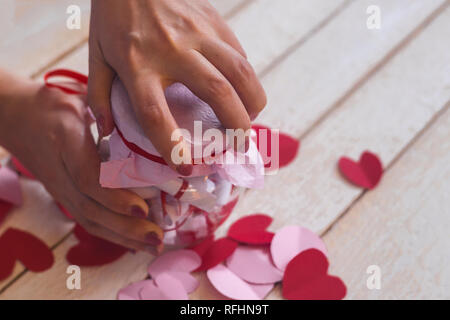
21 168
203 246
288 146
252 230
178 264
5 207
231 286
166 287
217 252
17 245
132 291
365 173
290 241
93 251
306 278
254 265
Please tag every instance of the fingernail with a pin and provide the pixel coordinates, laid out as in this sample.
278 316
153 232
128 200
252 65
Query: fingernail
100 125
185 169
153 239
138 212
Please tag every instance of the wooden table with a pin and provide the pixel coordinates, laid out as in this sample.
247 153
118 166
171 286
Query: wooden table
337 85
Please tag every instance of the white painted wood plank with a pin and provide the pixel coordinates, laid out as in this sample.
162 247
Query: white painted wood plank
60 270
225 7
268 28
402 227
78 61
383 116
34 33
29 216
38 215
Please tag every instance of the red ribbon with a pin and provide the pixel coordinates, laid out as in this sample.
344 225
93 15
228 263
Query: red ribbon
78 77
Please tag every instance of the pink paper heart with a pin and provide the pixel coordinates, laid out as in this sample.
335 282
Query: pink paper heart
178 264
231 286
131 292
290 241
166 287
254 265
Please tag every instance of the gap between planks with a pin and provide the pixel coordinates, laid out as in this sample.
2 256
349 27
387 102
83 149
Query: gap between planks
363 80
278 59
370 74
60 58
392 164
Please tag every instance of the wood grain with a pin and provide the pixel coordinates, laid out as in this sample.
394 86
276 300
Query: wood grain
34 33
78 61
267 28
401 227
383 115
228 7
38 204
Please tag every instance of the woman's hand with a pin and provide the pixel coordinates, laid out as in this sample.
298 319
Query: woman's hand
151 44
49 132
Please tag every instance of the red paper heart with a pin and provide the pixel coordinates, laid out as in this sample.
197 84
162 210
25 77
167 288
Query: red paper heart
366 173
21 168
288 147
252 230
5 207
17 245
203 246
93 251
217 252
306 278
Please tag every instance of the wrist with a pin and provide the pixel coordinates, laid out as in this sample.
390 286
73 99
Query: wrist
16 94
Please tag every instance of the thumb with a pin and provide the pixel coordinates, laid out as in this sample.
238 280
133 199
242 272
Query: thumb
100 81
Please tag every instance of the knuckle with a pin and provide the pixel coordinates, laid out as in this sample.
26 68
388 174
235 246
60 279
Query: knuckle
244 71
219 88
132 39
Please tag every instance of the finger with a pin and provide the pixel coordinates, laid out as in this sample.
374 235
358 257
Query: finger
138 230
83 165
101 232
142 235
229 37
211 86
150 106
239 73
100 81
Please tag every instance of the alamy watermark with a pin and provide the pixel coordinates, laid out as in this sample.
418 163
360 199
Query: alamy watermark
374 19
73 22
